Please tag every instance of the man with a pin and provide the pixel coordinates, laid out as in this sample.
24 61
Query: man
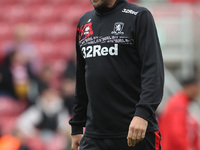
119 79
178 128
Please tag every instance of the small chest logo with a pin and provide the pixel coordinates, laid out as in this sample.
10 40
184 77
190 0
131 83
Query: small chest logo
118 27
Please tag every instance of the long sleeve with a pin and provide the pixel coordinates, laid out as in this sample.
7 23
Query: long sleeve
81 99
152 72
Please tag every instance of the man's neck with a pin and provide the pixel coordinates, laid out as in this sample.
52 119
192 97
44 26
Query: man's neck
111 3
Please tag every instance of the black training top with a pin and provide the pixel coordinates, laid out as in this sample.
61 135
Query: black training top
119 71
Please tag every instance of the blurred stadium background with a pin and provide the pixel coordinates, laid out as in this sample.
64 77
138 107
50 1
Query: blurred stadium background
37 44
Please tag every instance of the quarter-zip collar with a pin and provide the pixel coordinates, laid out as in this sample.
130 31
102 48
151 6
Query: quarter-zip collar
108 10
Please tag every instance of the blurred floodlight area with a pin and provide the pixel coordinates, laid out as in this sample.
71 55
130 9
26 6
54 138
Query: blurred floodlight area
38 67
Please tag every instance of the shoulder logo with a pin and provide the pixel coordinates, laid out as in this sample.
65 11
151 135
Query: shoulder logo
129 11
118 27
85 31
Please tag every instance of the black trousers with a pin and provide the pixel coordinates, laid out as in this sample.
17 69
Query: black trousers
151 142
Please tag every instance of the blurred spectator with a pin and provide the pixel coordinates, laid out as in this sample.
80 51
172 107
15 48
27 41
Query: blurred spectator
6 78
1 57
178 128
45 78
20 75
70 72
27 49
46 121
68 85
68 91
15 77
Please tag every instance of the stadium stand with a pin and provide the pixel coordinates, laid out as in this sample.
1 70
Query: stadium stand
51 24
9 112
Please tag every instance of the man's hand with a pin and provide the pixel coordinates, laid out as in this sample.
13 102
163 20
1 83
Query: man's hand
137 130
76 139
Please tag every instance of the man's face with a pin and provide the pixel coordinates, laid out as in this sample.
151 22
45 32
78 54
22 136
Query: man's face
100 3
192 90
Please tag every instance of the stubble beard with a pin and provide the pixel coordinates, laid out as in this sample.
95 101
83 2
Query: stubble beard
101 4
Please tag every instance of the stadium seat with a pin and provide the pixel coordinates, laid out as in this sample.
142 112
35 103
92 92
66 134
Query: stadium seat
5 2
30 2
45 13
16 14
51 24
65 49
9 111
58 2
35 31
59 31
5 31
11 106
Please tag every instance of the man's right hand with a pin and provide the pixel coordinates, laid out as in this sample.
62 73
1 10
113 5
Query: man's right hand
76 139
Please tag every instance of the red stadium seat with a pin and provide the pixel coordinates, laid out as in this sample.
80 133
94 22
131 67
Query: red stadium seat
46 49
44 13
5 31
31 2
10 106
58 31
16 14
58 2
51 24
35 31
65 49
5 2
9 111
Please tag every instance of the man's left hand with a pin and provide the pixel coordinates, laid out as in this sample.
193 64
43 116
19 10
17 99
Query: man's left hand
137 130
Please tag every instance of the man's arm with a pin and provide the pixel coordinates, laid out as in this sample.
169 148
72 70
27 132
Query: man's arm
152 75
81 100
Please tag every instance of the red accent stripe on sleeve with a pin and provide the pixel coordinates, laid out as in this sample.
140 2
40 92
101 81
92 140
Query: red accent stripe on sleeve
157 140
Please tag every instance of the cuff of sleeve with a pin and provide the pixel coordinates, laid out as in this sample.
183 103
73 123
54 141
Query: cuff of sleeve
77 130
142 112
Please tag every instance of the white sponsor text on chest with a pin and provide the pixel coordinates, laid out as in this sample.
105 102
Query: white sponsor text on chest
129 11
98 50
